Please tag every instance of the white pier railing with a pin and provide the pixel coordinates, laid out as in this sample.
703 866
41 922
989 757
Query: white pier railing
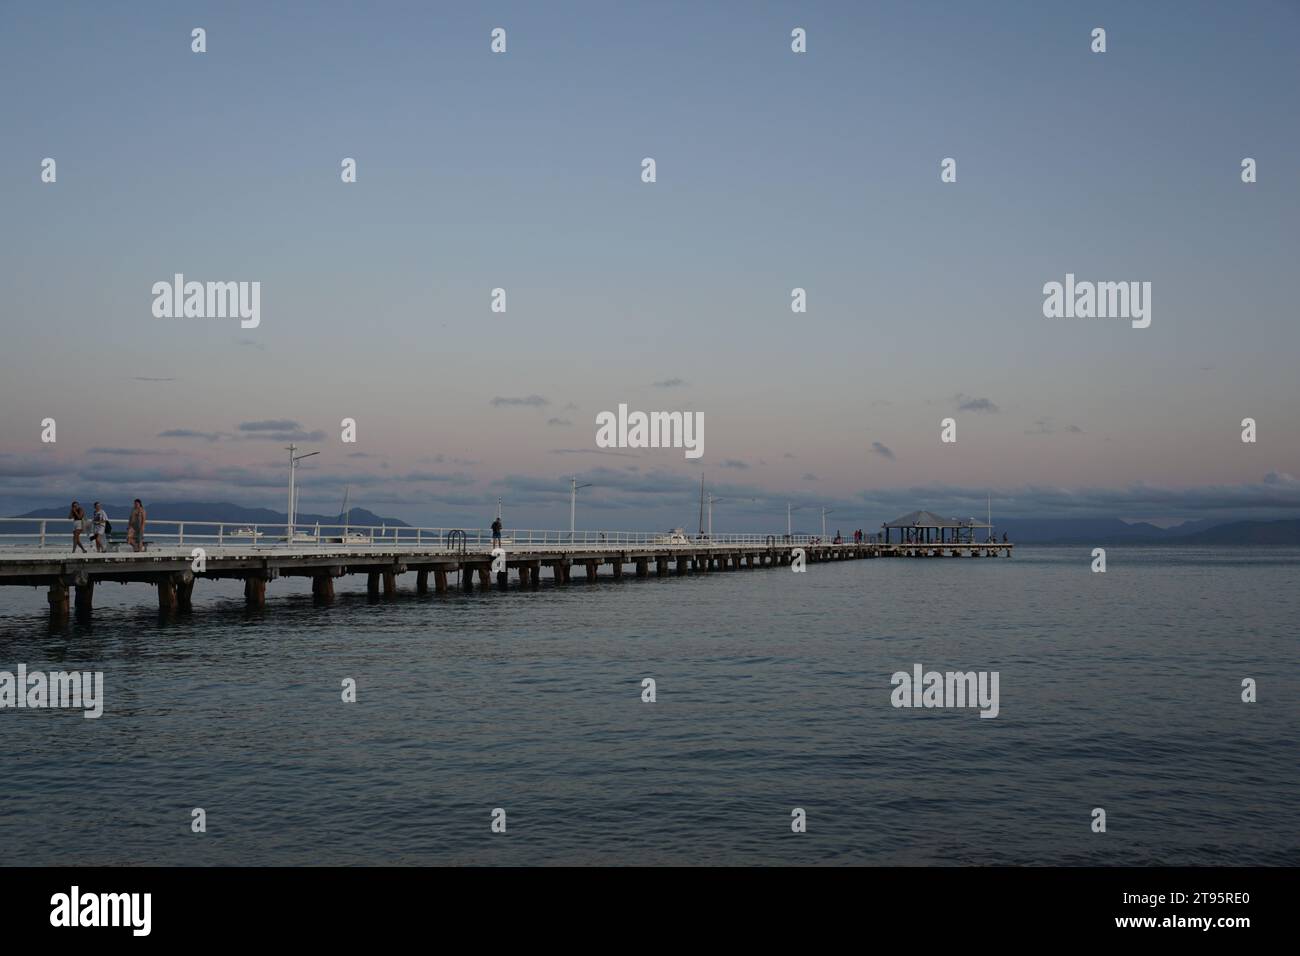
57 534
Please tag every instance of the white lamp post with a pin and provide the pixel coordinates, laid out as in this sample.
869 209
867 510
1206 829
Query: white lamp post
573 503
293 467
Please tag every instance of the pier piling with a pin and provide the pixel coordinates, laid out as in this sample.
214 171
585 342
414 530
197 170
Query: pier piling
185 592
322 588
166 593
85 599
58 598
254 592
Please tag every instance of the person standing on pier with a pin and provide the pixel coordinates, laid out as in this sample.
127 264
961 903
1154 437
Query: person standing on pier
496 532
77 515
99 527
135 526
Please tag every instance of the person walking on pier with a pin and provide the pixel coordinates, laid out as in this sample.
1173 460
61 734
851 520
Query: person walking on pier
77 515
135 526
99 526
496 532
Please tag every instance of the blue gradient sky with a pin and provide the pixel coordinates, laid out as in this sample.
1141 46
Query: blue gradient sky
775 170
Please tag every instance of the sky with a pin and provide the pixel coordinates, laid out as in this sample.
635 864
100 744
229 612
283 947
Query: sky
774 170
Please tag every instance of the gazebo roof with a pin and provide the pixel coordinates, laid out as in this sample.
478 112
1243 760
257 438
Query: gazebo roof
928 519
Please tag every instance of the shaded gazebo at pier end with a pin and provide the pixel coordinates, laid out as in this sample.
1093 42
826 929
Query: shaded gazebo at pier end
926 527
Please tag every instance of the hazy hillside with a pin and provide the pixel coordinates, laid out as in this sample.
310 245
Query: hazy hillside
1249 533
1115 532
1092 530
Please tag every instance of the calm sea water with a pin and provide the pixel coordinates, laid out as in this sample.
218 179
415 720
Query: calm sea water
1118 690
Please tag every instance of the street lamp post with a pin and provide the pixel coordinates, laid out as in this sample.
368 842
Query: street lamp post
293 501
789 509
573 503
712 499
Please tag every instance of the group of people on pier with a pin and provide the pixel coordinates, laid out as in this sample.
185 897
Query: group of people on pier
99 529
859 536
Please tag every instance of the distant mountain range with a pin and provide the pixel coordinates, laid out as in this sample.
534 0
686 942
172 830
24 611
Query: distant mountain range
1248 532
1098 530
223 512
1104 531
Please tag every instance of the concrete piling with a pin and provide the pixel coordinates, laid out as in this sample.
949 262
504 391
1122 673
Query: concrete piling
185 592
322 588
85 599
58 599
166 593
254 592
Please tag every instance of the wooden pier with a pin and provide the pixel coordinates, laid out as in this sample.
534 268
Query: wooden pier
174 571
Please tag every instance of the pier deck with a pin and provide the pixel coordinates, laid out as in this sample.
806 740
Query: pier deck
175 563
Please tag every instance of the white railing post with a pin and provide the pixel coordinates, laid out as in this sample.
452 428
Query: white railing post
42 534
180 533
